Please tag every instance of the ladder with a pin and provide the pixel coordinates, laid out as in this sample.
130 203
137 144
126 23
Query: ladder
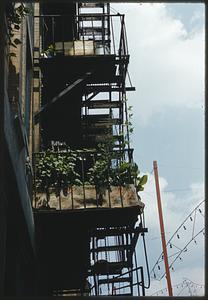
94 24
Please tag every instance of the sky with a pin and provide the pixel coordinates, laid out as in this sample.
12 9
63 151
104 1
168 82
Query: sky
166 45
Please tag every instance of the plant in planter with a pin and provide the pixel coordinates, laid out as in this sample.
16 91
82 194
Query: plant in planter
139 181
128 174
100 173
56 170
103 175
44 173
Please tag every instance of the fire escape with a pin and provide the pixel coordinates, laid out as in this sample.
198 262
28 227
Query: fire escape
86 236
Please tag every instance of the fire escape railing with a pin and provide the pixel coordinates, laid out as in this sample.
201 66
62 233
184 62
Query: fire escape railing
114 267
91 34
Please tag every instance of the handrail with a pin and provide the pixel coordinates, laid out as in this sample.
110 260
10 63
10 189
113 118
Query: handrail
139 283
83 15
100 41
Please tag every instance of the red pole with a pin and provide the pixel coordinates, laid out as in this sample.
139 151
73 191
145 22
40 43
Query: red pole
167 271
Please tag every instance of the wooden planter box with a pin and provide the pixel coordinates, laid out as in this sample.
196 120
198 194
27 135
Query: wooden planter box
79 198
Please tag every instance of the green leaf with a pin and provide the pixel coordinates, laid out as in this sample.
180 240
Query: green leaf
143 179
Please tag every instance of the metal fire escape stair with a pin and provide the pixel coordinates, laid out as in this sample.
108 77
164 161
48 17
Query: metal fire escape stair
99 32
105 88
97 127
96 104
126 238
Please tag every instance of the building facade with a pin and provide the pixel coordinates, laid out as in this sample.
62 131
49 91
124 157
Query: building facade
18 253
65 125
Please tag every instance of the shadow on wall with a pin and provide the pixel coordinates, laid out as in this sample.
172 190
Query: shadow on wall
13 90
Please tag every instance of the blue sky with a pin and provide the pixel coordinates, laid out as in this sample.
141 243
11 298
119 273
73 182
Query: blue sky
166 44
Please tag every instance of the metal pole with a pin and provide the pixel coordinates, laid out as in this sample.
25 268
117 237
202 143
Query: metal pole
169 285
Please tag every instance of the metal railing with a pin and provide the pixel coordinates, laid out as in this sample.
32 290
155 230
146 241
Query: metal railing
80 187
139 283
84 34
136 287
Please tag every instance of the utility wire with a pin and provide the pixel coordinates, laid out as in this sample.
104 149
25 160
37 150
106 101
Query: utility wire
169 241
179 285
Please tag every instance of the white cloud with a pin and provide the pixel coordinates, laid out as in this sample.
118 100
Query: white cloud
166 63
167 68
175 208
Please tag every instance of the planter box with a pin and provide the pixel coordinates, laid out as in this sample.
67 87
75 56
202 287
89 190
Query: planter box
77 196
81 47
75 48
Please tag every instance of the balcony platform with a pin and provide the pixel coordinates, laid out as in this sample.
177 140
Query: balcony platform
89 218
67 67
63 241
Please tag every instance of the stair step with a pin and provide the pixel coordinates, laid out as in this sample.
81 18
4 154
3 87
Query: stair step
112 280
114 79
94 17
112 248
96 120
91 5
102 233
96 130
93 30
94 104
106 88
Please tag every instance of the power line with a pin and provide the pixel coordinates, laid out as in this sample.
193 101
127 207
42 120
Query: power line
176 233
180 285
180 167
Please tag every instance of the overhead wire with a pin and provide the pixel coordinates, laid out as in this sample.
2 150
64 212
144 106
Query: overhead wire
158 260
177 286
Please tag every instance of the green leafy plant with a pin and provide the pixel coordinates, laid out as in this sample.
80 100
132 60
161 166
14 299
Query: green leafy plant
100 173
128 173
141 181
56 170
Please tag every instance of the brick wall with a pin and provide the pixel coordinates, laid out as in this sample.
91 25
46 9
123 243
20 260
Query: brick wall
36 82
